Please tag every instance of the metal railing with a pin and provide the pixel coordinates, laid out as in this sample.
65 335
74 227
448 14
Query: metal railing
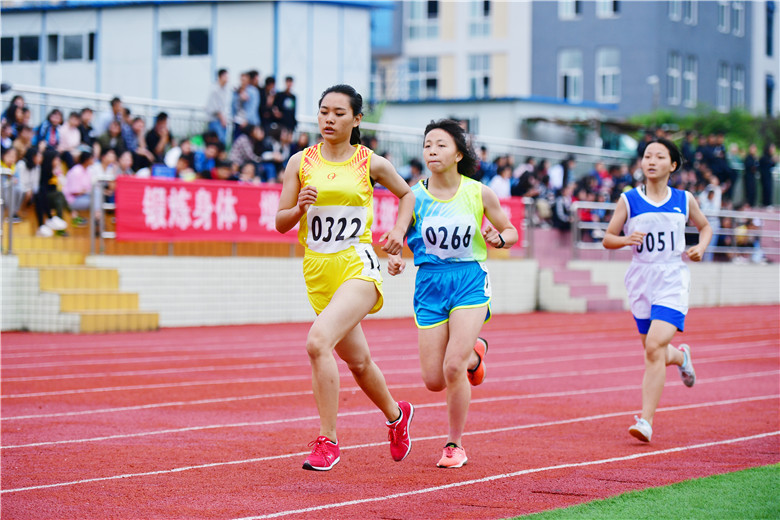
768 234
6 208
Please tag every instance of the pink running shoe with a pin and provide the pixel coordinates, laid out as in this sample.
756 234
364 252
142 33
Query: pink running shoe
324 456
477 375
453 457
400 442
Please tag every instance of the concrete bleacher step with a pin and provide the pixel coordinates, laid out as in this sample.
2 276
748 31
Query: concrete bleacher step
44 258
53 279
78 300
572 290
118 321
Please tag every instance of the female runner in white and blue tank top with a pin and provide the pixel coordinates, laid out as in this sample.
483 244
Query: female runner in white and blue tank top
653 218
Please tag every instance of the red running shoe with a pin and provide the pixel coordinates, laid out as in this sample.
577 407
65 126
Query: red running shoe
324 456
400 442
477 375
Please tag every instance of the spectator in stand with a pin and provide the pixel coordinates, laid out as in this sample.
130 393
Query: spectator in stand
115 114
9 114
15 120
599 173
142 156
88 135
11 183
78 187
105 172
218 105
688 149
527 184
710 201
561 211
750 164
254 80
286 103
246 105
527 167
206 160
486 169
501 183
274 163
159 139
70 139
49 131
560 173
6 137
243 153
28 171
48 195
113 139
766 163
125 164
23 141
300 144
646 138
270 115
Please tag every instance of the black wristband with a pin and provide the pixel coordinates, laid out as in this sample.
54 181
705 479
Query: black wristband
502 242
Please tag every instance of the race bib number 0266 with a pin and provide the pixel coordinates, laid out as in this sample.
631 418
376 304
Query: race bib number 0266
449 237
334 228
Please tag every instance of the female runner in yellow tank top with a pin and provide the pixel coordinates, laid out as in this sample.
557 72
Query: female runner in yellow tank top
327 189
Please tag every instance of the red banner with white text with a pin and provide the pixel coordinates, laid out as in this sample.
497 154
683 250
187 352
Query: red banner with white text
157 210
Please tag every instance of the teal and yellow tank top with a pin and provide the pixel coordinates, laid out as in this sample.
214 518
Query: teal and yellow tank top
446 231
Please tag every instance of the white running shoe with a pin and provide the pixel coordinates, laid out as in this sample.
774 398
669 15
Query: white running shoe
687 374
44 231
641 430
56 223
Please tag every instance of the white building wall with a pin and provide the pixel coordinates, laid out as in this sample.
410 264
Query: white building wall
319 44
761 64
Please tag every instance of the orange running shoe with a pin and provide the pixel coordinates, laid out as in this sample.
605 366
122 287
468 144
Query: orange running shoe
453 457
477 374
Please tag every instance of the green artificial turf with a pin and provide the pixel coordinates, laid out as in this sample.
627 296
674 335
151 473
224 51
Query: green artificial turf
749 494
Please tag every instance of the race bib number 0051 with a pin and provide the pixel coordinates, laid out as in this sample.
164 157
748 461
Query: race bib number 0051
334 228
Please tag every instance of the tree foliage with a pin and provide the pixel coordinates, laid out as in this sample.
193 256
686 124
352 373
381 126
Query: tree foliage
738 126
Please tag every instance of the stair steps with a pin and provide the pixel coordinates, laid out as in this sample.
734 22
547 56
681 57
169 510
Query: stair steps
71 296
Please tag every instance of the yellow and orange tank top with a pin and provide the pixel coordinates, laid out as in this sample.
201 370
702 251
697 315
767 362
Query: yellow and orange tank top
344 211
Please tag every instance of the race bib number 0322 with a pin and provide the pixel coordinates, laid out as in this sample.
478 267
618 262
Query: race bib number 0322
334 228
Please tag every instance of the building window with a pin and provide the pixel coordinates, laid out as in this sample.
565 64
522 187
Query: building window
738 18
170 43
690 12
198 42
569 9
738 88
608 75
674 79
479 75
607 8
723 16
570 75
480 18
770 27
423 78
6 48
73 47
723 88
675 10
690 81
91 46
423 19
52 48
29 48
770 94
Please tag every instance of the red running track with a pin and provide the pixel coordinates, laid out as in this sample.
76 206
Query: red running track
214 422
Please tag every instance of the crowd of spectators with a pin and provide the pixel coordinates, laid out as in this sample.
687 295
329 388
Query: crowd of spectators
53 166
252 132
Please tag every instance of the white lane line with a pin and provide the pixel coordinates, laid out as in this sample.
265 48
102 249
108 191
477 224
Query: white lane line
488 400
375 444
239 343
713 347
503 476
523 362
